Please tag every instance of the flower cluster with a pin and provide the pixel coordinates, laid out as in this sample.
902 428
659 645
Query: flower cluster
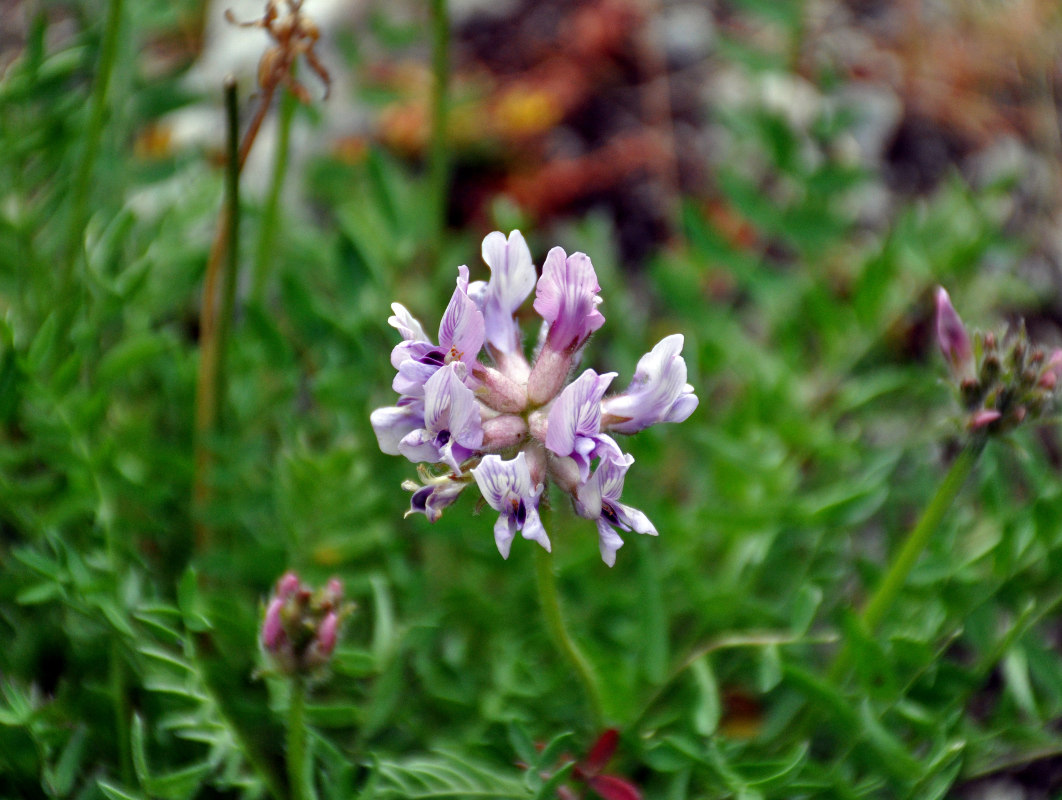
512 425
300 626
1000 384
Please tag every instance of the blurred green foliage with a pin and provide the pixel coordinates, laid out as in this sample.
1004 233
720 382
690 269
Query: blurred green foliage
129 665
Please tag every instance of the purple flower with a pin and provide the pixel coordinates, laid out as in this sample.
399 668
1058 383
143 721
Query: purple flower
952 337
516 424
507 487
393 423
657 393
599 499
574 425
452 430
460 339
512 277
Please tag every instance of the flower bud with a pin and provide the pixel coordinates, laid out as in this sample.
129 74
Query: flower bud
272 626
503 432
1052 371
952 337
300 627
499 391
326 632
548 375
288 585
983 418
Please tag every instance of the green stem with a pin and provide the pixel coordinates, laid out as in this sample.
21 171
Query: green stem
228 281
438 165
210 669
297 740
215 320
120 698
267 235
558 632
892 584
93 135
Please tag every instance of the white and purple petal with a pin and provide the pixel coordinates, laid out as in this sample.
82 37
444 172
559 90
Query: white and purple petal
599 499
452 430
430 500
657 393
574 421
392 423
566 297
508 489
461 329
511 281
406 324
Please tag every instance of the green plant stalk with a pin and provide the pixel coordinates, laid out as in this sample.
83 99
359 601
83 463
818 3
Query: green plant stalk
215 318
93 136
438 164
892 583
262 765
228 282
267 235
122 711
562 640
296 749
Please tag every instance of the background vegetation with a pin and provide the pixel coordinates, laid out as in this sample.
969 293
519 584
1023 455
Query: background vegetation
797 256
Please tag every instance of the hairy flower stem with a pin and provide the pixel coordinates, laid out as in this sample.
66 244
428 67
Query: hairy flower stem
438 163
896 576
93 135
267 235
296 751
562 640
215 318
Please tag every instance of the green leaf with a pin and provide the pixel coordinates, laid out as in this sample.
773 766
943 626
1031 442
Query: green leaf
769 671
708 710
446 776
384 639
548 790
804 607
61 777
553 750
190 602
521 743
44 343
1016 672
893 755
115 793
130 355
39 593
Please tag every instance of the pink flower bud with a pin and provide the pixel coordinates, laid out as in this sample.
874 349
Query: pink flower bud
979 419
548 375
326 633
504 431
952 337
273 636
288 585
1052 370
498 391
334 587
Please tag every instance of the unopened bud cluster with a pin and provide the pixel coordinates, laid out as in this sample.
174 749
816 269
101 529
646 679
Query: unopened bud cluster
301 624
1001 381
